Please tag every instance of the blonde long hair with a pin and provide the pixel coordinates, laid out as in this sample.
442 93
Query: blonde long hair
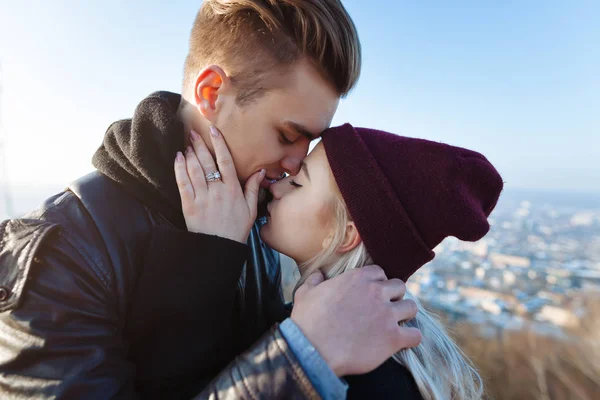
439 367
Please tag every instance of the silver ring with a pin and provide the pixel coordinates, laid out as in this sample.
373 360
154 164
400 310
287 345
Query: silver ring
213 176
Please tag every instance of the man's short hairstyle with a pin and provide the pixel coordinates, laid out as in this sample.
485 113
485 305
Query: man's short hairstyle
256 40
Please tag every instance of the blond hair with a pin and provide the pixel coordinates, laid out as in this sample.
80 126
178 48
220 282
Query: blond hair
440 368
255 39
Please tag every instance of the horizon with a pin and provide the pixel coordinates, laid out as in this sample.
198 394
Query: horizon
516 82
511 189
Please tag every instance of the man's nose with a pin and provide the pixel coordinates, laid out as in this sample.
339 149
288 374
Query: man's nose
291 163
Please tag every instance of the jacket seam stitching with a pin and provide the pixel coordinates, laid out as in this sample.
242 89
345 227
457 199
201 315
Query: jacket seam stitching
102 274
97 270
301 378
22 272
52 206
243 381
248 389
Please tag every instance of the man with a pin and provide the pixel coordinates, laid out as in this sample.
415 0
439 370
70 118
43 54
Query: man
93 304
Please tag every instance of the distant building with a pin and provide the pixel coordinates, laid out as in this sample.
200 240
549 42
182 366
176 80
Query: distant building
478 294
558 316
583 219
532 306
503 260
509 278
491 307
480 273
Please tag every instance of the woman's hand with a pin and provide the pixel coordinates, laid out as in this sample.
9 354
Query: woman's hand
220 207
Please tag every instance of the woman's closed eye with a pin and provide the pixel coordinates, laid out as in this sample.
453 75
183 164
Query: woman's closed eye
295 184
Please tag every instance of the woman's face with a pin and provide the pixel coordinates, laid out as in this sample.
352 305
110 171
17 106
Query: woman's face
300 216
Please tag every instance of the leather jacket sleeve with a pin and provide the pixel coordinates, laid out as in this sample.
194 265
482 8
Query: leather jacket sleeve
60 338
268 370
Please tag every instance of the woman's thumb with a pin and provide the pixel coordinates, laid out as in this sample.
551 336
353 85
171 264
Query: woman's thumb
314 279
251 190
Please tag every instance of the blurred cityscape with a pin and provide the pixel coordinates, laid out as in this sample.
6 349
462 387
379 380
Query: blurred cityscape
541 254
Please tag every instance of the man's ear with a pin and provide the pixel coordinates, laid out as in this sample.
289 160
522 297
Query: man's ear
209 84
351 238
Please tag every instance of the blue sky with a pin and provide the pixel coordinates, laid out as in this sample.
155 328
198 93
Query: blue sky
516 80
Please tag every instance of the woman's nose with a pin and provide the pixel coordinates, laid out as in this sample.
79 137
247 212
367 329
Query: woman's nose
274 191
278 189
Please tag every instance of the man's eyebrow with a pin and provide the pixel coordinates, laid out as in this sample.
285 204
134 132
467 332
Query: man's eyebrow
305 169
301 130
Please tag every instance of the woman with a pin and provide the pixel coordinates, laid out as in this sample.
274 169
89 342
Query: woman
366 196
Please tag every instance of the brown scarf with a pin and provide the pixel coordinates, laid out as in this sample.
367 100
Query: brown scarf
139 153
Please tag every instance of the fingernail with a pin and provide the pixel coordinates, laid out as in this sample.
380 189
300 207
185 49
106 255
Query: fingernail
179 157
188 149
262 173
194 135
214 131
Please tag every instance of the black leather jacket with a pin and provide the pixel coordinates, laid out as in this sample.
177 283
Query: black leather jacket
92 306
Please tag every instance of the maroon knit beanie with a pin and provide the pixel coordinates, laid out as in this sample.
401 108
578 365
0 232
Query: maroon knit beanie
406 195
